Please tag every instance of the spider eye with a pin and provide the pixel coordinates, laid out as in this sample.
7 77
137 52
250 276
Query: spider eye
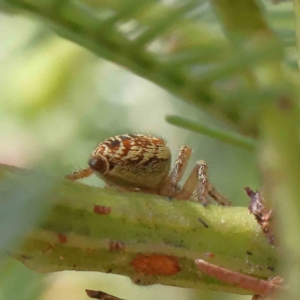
99 164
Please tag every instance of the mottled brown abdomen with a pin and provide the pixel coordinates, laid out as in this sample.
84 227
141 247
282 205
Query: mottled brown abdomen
132 160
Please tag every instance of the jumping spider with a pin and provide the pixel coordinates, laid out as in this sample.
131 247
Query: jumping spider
139 162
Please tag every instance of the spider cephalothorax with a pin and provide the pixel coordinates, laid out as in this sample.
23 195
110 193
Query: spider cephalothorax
142 162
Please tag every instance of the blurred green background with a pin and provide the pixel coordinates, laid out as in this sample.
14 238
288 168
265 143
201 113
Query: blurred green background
58 101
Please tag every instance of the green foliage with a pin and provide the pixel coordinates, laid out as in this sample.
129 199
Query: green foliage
222 135
234 60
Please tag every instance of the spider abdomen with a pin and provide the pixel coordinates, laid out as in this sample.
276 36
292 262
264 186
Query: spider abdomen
132 160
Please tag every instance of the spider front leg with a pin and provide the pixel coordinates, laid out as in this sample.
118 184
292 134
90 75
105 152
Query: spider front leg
79 174
83 173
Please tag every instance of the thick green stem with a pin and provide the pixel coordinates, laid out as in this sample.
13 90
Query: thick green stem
280 163
280 148
241 17
297 18
247 28
103 230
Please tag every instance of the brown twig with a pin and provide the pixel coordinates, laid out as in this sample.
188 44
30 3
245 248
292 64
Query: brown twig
263 214
250 283
101 295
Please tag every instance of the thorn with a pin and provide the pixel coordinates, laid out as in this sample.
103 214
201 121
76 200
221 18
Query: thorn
249 192
253 284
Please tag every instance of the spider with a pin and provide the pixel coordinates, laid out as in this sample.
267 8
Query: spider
140 162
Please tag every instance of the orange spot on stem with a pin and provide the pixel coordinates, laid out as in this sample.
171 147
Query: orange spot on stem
102 210
156 264
62 238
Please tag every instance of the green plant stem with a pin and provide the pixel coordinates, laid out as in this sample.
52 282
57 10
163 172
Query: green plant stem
162 24
72 236
225 136
280 163
279 148
297 19
248 18
245 25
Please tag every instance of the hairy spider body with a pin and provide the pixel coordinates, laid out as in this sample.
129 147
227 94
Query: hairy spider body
136 161
142 162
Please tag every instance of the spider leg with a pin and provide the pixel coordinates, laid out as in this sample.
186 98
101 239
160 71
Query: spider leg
79 174
170 186
198 184
197 179
217 196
